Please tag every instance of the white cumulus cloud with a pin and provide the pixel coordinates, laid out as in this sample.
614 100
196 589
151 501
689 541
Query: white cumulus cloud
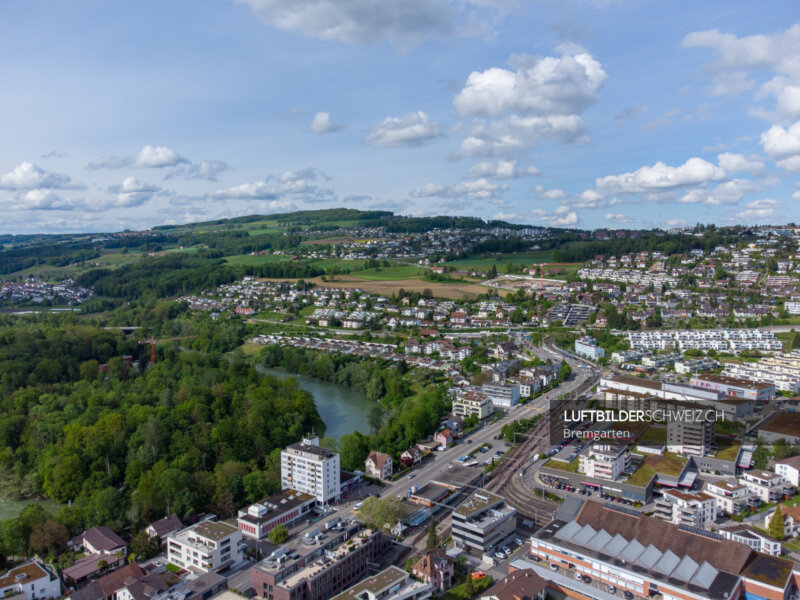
502 169
660 177
618 218
758 210
28 176
480 189
300 185
413 129
149 157
322 123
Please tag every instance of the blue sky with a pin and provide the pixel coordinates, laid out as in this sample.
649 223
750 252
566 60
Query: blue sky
586 113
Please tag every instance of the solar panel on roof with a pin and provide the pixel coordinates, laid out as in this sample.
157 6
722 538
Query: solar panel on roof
622 509
700 531
685 569
586 533
649 557
667 564
705 576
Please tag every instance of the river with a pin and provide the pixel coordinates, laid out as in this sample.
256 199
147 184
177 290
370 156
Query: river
343 409
11 508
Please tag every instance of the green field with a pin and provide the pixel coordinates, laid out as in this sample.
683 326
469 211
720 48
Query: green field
485 262
246 259
330 263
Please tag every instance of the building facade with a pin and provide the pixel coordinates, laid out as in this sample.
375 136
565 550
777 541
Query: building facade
483 521
205 547
308 468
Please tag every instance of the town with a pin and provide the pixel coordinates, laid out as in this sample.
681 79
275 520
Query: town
500 498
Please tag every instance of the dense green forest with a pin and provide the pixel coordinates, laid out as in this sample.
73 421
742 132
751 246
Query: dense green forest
176 274
197 431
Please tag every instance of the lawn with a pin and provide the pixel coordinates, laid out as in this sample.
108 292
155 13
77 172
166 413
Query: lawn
485 262
560 465
249 348
657 435
666 464
728 448
330 263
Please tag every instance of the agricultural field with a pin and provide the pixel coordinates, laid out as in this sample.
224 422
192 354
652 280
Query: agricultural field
259 259
453 291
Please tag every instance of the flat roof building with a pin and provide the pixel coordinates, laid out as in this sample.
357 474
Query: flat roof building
308 468
483 521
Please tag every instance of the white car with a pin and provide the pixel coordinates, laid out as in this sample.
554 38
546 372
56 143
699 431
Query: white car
499 555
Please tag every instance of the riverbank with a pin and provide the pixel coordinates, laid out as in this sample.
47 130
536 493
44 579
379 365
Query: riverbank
343 409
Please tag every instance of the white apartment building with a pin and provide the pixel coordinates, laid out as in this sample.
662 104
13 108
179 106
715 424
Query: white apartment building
32 580
765 485
205 547
308 468
730 495
604 461
793 308
789 469
686 508
587 347
502 394
781 370
471 402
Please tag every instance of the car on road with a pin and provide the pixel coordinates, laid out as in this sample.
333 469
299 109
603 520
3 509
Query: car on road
469 441
358 505
412 475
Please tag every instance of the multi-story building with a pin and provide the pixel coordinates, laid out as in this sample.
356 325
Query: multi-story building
730 386
731 496
502 394
205 547
483 521
587 347
686 508
684 367
781 370
766 485
658 361
789 469
605 461
32 580
694 437
308 468
390 584
320 564
645 557
283 508
471 402
378 465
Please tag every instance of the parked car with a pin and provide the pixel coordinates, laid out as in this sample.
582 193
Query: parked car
612 589
578 576
412 475
628 595
518 541
553 567
499 555
586 579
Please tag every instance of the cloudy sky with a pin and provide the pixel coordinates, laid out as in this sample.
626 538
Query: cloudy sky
588 113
